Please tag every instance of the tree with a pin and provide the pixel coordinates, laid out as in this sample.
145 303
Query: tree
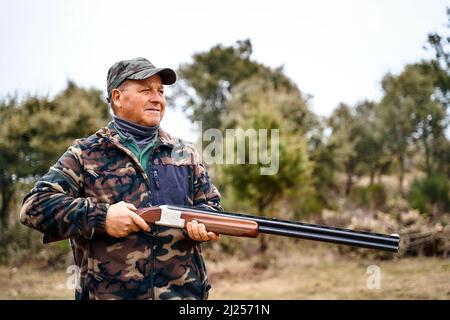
8 164
410 112
322 154
343 141
356 142
441 45
370 141
257 104
207 82
440 68
35 132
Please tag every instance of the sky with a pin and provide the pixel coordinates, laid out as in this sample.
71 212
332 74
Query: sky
335 51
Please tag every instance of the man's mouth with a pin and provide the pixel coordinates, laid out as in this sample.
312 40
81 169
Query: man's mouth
153 110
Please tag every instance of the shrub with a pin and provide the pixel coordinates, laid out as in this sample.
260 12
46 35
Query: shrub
373 196
430 194
20 245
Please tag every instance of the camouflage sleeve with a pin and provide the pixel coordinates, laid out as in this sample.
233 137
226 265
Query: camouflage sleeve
206 195
55 205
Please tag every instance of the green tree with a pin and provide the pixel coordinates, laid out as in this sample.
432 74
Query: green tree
356 142
35 132
343 141
322 154
257 104
207 82
409 112
9 171
440 68
370 141
441 45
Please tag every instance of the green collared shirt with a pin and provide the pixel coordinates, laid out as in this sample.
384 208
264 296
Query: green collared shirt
142 155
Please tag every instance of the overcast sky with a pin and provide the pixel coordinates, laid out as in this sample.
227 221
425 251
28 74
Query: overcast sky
336 51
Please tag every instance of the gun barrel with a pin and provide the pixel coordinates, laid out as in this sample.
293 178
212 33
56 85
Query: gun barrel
351 239
312 231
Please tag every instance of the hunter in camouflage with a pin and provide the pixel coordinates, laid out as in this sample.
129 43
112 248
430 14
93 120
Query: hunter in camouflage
73 200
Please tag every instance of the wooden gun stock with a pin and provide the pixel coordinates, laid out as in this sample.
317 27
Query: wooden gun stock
218 224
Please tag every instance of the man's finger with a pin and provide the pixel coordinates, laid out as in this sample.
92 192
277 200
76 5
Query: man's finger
189 229
134 227
213 236
140 222
202 232
195 232
130 206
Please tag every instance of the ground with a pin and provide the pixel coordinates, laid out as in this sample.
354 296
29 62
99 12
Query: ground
304 274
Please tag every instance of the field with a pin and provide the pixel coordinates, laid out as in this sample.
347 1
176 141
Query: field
309 273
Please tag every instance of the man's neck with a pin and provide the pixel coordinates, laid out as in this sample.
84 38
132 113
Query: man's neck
143 135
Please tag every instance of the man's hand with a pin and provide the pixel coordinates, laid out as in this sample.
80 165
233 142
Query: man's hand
197 231
121 220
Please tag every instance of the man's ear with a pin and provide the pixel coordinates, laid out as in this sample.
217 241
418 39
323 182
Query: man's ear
115 98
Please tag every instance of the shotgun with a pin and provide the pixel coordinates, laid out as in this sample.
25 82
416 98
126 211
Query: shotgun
245 225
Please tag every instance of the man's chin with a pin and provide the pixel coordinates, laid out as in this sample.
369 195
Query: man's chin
151 121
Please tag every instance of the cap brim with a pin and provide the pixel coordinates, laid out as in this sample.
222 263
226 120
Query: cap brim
168 76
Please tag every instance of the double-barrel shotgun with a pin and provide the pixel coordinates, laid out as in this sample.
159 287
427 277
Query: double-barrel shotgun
245 225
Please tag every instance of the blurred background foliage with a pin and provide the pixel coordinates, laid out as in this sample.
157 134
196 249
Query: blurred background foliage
380 166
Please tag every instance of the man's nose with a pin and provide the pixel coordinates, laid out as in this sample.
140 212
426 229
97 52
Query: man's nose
155 97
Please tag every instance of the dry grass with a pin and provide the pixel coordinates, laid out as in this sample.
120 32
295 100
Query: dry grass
29 283
310 277
308 273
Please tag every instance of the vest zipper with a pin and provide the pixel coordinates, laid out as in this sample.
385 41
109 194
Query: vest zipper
155 177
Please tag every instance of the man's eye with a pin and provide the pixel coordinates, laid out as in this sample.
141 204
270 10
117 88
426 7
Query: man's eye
145 90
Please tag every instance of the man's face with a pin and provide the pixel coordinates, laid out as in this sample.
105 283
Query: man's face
141 101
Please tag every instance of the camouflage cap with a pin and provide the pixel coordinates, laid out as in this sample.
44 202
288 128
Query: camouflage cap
137 69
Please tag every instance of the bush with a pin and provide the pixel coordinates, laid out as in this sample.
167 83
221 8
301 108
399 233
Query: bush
20 245
430 194
373 196
419 236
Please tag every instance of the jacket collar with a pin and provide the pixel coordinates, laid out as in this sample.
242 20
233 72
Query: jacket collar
164 139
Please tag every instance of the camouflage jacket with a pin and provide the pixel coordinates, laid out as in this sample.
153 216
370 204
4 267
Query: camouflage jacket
72 198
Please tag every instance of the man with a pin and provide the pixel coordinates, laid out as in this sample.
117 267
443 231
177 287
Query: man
89 196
